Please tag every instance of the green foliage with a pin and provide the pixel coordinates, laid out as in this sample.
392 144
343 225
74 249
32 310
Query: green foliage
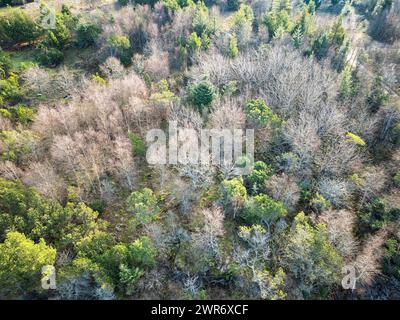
355 139
320 46
347 89
151 3
4 3
16 145
138 145
339 60
234 190
201 94
129 277
243 15
274 255
378 95
24 210
98 79
258 111
15 198
257 178
262 208
115 263
374 215
10 90
87 34
233 48
230 88
175 5
63 225
297 38
287 5
50 57
305 25
50 51
98 205
120 46
313 4
163 91
21 113
123 2
5 64
272 284
338 33
202 24
16 27
391 257
335 37
21 261
203 28
310 258
59 36
142 252
233 5
277 20
143 204
319 203
94 245
194 42
119 42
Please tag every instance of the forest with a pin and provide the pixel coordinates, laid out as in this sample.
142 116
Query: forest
84 214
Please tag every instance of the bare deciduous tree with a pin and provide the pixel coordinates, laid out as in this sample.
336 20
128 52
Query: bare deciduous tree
285 189
340 228
43 177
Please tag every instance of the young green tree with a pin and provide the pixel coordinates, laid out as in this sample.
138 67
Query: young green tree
257 178
142 252
320 46
319 203
21 262
378 94
277 21
235 194
10 90
233 48
17 27
242 25
262 208
311 259
338 33
305 24
24 210
258 112
5 64
87 34
120 46
313 5
114 263
49 57
59 36
346 85
201 94
143 204
194 42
